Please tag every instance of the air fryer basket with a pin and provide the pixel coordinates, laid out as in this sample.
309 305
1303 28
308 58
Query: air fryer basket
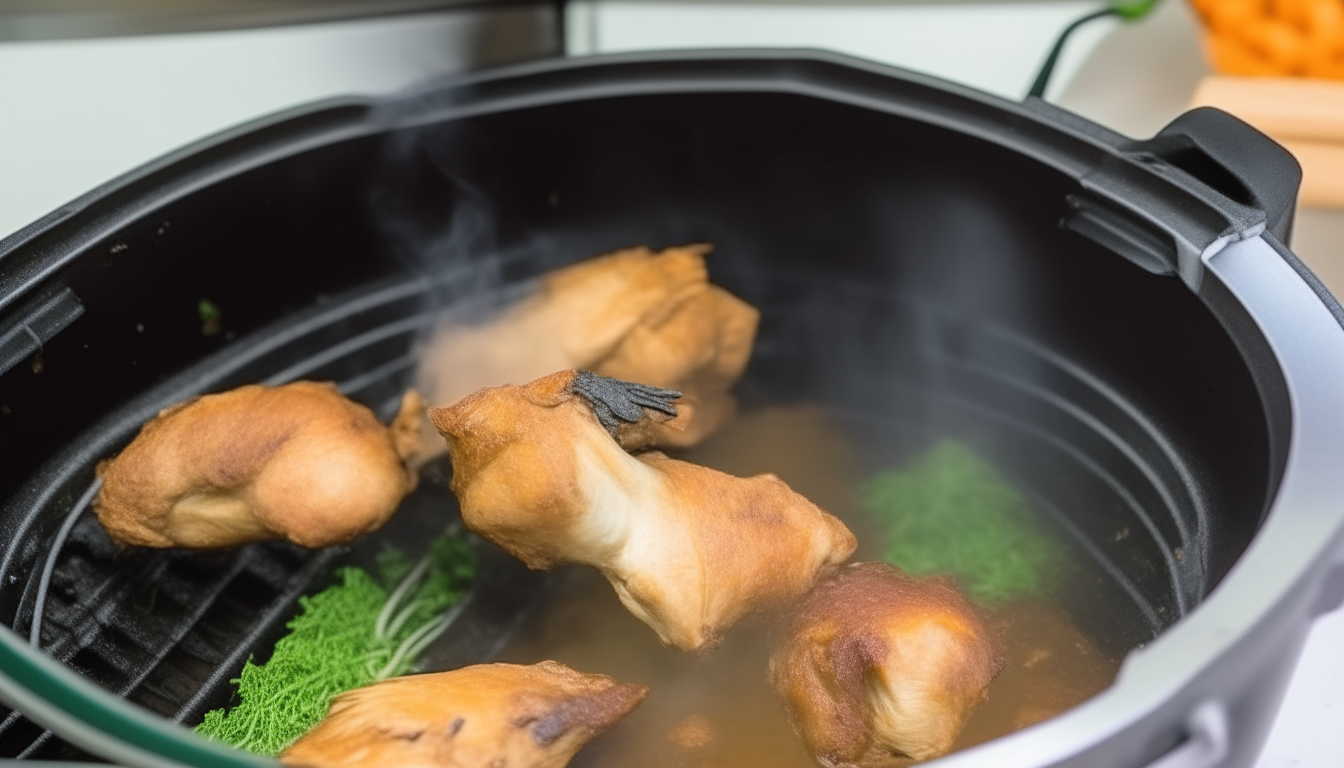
902 239
169 629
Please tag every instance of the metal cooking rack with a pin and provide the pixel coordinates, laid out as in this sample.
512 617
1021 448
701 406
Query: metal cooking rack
169 629
102 605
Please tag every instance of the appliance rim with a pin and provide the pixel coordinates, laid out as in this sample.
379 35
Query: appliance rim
1281 298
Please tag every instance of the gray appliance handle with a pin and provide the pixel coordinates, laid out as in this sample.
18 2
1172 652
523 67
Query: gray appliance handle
1206 745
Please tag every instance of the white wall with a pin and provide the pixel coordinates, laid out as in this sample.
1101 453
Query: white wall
995 46
76 113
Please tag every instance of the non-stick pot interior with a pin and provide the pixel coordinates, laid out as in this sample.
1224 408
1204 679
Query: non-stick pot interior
912 280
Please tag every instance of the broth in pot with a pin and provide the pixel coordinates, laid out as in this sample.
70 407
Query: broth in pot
718 708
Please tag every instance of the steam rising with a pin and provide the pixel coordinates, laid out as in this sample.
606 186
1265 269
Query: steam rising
443 228
435 220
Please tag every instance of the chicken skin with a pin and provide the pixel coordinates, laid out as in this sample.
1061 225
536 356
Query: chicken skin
632 314
298 462
544 471
878 667
481 716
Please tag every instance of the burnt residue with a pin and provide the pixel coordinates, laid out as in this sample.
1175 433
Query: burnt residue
614 401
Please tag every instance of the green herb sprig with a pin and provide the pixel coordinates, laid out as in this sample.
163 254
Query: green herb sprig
358 631
951 513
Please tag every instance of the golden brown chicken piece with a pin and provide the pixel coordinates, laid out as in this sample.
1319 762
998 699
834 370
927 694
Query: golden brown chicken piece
632 314
485 716
877 667
298 462
542 470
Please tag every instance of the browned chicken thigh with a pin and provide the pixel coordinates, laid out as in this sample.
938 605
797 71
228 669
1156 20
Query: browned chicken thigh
635 314
298 462
484 716
878 667
543 471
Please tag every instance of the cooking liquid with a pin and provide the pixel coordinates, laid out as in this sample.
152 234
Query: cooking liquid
717 709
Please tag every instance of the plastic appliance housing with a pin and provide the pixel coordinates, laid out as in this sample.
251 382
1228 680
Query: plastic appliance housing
1116 323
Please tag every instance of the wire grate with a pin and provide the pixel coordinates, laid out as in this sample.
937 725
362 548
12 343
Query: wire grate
169 629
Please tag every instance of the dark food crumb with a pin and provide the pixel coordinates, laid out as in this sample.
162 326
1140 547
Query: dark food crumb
4 410
39 363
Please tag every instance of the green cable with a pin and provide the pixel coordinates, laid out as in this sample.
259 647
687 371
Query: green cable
1129 12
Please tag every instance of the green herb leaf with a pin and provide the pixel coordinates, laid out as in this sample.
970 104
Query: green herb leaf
212 318
951 513
208 311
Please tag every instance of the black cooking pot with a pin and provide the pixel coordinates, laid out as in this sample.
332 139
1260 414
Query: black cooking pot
1115 323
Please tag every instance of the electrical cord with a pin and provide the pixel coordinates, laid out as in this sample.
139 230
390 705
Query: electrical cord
1132 11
